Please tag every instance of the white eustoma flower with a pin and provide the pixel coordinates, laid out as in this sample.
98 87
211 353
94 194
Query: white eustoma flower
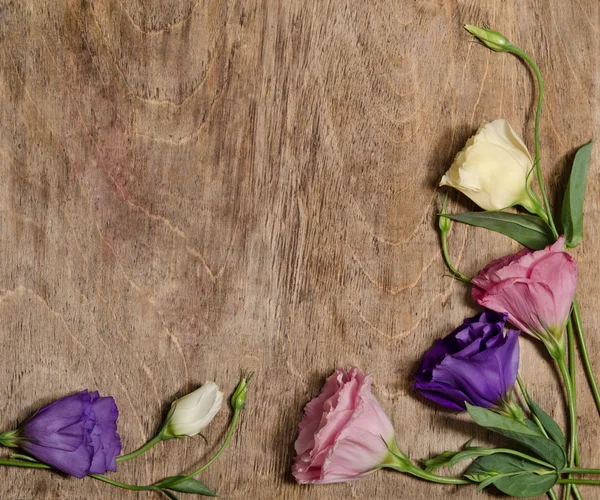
493 169
195 411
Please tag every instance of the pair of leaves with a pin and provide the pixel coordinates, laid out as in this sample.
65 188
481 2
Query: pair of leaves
527 434
530 230
190 485
512 475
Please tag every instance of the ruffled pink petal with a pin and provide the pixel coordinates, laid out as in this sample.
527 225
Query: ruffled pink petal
530 305
347 437
355 454
313 412
559 272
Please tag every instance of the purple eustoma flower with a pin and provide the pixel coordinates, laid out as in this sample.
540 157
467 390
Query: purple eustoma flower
476 363
76 434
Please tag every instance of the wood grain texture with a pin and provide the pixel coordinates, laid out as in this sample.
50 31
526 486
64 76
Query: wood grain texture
191 187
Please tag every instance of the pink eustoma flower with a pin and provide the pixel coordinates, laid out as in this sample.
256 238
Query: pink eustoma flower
536 289
345 434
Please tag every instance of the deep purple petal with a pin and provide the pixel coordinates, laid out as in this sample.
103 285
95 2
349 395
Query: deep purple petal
442 394
476 363
75 463
105 439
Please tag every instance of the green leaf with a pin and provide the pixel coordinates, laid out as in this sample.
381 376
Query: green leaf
444 458
572 207
551 427
170 495
450 458
529 230
543 447
188 486
27 458
514 476
194 486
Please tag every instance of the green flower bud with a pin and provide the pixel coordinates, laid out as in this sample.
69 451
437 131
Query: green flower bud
490 38
238 400
444 222
10 439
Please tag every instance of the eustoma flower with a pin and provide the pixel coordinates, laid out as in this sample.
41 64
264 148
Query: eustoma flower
536 289
476 363
194 411
345 434
493 168
76 434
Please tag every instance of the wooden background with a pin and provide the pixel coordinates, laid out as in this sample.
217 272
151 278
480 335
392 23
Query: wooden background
193 187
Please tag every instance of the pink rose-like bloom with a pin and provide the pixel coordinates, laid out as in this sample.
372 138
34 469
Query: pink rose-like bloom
344 432
536 289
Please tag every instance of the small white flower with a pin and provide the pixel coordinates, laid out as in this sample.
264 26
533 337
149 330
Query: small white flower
195 411
493 168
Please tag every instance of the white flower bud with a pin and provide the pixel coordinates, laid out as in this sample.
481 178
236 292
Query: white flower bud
493 168
195 411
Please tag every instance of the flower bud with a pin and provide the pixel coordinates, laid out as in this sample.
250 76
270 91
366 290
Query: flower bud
193 412
493 168
238 400
444 222
490 38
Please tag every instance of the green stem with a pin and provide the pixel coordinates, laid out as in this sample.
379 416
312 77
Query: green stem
572 416
18 463
434 478
236 415
427 476
587 365
457 274
580 470
155 440
571 345
125 486
571 480
518 52
529 403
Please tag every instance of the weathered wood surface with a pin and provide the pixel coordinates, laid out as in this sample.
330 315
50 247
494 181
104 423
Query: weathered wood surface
191 187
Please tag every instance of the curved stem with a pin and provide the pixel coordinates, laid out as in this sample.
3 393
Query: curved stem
518 52
236 415
457 274
125 486
142 449
587 365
